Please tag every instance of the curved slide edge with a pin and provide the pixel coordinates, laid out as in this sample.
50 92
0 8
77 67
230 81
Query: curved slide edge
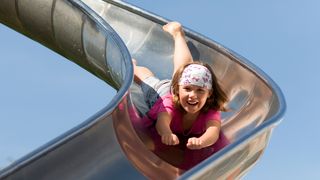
106 143
74 154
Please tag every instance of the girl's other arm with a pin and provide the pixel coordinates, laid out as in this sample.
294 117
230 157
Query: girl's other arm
163 129
208 138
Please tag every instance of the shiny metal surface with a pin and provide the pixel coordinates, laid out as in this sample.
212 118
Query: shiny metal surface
111 142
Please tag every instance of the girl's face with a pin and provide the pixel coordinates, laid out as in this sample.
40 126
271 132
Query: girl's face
192 98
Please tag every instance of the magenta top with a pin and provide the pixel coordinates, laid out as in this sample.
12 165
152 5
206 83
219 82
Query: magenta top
191 157
165 104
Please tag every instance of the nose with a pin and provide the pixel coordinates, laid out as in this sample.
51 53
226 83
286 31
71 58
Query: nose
192 94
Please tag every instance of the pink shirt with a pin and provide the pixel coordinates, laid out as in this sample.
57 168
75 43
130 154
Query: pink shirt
191 157
165 104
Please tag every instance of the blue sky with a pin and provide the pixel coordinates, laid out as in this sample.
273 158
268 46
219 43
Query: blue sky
42 95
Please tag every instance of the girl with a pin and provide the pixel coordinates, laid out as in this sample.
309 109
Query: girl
184 112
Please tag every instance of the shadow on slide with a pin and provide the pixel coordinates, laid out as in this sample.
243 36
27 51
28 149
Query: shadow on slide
101 37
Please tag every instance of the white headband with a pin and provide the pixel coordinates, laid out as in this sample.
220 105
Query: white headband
196 74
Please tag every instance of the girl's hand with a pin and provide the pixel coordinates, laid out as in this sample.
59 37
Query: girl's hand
170 139
195 143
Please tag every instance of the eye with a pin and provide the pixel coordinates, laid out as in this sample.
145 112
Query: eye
186 88
201 90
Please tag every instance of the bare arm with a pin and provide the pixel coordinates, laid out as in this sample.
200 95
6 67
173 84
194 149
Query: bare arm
208 138
163 129
182 54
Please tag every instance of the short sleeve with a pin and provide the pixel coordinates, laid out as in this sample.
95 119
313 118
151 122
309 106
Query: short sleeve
213 115
166 105
163 104
199 127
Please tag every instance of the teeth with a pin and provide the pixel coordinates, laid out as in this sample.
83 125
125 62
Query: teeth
192 103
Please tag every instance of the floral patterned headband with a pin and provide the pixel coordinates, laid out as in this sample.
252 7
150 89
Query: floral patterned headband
196 74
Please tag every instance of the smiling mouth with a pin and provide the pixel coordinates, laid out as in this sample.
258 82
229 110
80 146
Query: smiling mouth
192 103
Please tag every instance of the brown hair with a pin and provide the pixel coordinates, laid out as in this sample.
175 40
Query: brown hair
217 99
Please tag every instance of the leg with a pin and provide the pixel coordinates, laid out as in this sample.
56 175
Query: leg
140 73
182 54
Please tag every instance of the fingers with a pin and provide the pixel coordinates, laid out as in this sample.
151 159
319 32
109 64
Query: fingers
170 139
194 143
173 28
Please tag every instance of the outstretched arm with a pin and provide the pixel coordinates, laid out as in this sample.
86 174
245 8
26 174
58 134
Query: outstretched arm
182 54
208 138
163 129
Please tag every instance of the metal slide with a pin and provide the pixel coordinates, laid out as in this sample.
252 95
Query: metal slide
109 145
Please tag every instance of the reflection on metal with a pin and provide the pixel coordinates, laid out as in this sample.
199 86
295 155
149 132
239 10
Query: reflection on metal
107 144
